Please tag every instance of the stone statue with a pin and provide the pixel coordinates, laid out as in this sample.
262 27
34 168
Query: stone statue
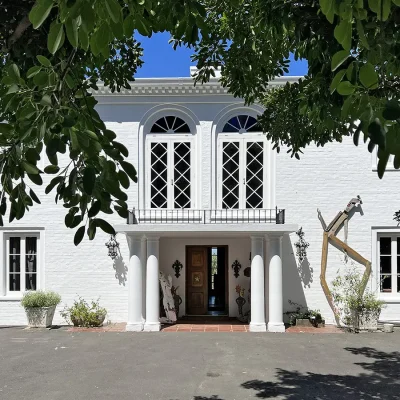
168 300
177 299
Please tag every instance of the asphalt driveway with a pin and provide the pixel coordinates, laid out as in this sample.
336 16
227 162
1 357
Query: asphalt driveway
55 364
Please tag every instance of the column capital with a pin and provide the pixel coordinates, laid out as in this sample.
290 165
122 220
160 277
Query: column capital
152 238
274 237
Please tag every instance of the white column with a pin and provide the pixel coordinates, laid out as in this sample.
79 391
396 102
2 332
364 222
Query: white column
135 285
257 323
143 259
152 286
275 322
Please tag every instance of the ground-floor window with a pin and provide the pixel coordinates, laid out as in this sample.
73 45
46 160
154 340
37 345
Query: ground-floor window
21 262
389 262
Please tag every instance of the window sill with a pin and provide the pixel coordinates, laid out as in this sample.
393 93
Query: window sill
11 298
390 298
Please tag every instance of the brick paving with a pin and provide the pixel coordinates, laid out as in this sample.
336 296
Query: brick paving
196 327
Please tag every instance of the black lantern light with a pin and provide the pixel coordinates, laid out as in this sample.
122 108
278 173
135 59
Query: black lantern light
113 247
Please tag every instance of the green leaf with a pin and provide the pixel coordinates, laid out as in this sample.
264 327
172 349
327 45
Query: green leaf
378 134
84 41
142 25
33 196
94 210
121 148
110 135
91 231
36 178
88 17
89 180
368 76
343 33
381 8
383 158
56 37
52 169
103 36
391 111
114 10
79 235
33 71
46 100
339 58
123 178
55 181
129 25
40 12
328 9
44 61
30 168
71 28
5 128
361 34
337 79
345 88
105 226
13 72
129 169
41 78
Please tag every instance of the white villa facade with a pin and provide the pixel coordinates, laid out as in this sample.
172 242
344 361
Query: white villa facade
210 188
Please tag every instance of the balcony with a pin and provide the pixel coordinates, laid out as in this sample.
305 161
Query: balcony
221 216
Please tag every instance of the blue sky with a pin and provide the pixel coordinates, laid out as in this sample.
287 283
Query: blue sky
160 60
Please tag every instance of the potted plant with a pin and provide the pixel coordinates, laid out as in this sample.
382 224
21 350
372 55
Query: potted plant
304 316
40 307
85 314
358 309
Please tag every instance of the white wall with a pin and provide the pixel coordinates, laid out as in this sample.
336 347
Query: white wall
325 178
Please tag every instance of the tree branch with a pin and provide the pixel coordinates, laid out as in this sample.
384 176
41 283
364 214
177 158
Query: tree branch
23 25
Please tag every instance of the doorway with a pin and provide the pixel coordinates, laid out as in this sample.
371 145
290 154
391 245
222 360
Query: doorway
207 280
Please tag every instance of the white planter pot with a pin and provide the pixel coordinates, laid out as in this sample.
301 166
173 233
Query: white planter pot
40 317
365 321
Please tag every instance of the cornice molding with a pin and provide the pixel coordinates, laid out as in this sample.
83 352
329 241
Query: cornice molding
176 87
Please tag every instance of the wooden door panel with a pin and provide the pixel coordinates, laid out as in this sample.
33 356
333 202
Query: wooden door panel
196 281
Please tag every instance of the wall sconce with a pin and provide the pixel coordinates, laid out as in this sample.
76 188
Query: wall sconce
177 266
236 266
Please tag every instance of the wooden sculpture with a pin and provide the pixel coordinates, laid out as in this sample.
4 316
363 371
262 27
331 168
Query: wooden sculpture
330 232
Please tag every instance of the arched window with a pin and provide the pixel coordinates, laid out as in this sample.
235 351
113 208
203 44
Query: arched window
241 124
242 164
169 150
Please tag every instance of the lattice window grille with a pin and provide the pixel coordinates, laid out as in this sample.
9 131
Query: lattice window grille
230 175
182 175
159 175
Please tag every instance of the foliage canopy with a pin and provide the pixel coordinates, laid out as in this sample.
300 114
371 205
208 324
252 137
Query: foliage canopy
53 53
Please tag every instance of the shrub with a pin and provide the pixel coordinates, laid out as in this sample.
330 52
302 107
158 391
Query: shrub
302 312
40 298
349 298
82 313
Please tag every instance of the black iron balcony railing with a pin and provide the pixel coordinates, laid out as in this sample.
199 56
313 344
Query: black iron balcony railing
222 216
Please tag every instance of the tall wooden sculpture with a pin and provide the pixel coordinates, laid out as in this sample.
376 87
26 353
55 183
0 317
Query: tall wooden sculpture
330 232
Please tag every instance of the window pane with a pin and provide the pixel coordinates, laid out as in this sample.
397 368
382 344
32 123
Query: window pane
386 283
30 281
385 245
31 245
159 175
15 264
398 245
254 174
15 245
31 251
398 283
230 175
182 184
15 283
386 264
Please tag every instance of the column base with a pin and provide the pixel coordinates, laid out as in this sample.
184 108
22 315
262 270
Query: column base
152 327
134 327
260 327
276 327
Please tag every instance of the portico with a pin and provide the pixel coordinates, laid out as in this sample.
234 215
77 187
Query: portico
263 241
